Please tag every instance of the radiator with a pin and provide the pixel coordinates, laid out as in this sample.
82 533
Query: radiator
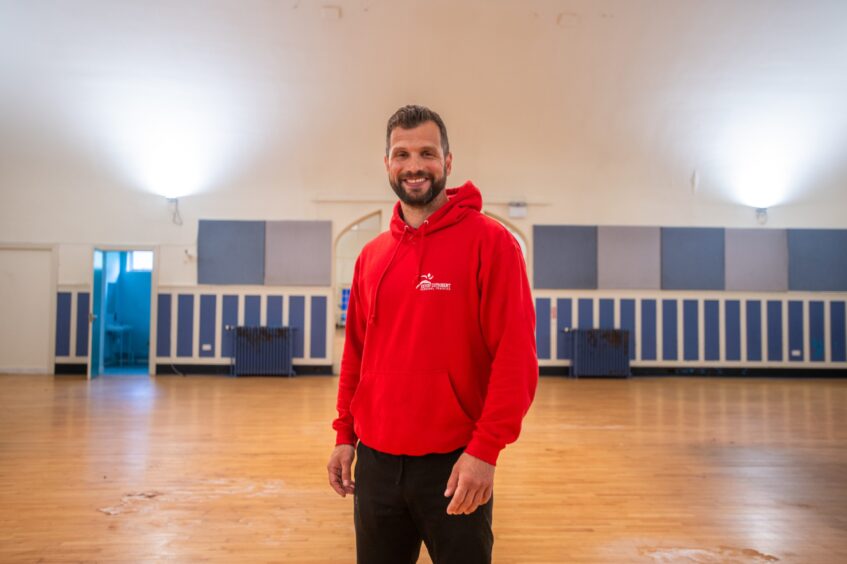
263 351
600 352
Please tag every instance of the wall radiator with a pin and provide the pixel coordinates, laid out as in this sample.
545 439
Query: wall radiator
263 351
600 352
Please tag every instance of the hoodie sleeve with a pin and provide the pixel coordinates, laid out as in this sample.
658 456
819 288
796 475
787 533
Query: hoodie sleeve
507 319
351 362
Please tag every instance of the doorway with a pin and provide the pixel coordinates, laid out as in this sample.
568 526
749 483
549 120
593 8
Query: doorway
120 320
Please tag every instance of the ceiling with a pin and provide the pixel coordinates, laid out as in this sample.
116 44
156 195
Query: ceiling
736 101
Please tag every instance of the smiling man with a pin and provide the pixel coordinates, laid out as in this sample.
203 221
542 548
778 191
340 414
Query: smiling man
439 364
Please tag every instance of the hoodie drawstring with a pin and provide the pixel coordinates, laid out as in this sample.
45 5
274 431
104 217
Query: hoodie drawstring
372 315
422 235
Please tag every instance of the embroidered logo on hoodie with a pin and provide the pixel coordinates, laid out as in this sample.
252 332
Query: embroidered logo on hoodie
427 285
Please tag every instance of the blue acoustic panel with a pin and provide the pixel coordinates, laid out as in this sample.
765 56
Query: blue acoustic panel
669 330
817 260
565 256
754 330
629 258
711 330
63 324
774 309
298 253
817 339
317 342
208 310
648 329
628 323
297 320
795 331
83 306
564 320
757 260
692 258
231 252
252 311
837 331
274 314
607 314
585 311
229 321
732 329
163 325
690 330
542 327
185 325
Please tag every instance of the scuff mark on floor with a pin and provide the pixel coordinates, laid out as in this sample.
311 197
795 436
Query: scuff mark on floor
130 503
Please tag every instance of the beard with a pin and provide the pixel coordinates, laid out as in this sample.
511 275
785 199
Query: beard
436 186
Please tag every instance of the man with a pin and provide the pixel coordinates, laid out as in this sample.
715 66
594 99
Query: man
439 364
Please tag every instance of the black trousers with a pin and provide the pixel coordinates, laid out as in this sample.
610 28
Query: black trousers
400 502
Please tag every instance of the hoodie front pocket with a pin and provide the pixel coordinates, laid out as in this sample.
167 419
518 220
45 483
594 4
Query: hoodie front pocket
410 412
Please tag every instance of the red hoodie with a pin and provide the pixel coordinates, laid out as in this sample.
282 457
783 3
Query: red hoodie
440 348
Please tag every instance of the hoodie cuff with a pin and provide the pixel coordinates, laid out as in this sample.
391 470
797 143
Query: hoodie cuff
484 451
346 438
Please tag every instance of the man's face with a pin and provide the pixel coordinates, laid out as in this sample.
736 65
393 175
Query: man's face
416 164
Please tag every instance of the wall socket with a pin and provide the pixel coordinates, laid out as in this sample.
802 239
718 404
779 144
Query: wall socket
205 347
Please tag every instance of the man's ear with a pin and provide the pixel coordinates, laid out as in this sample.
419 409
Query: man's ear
448 164
385 159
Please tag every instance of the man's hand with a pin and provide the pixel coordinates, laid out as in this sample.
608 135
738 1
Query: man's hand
471 484
339 465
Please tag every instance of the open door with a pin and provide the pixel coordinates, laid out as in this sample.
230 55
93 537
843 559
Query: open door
95 355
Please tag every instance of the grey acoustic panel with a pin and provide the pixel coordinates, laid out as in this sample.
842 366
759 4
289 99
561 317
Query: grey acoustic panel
817 260
298 253
629 258
757 260
231 252
565 256
693 258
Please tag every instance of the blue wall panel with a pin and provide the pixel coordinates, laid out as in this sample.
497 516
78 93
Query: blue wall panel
564 320
732 330
669 330
83 305
837 331
252 311
185 325
648 329
229 318
711 330
565 256
754 330
774 330
317 342
163 325
607 314
208 309
690 330
795 331
817 339
63 324
542 327
274 311
693 258
628 323
297 320
585 309
231 252
817 260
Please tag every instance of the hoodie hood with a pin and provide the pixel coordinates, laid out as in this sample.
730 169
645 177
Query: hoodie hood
460 201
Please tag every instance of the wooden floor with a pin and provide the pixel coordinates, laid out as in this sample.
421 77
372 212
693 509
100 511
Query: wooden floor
197 469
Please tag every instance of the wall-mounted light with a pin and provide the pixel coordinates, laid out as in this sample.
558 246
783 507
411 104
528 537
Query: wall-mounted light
517 210
173 204
761 216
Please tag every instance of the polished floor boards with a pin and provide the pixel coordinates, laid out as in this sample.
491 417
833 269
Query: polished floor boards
196 469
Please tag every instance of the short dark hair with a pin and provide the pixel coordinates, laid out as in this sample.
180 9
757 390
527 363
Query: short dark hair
411 116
